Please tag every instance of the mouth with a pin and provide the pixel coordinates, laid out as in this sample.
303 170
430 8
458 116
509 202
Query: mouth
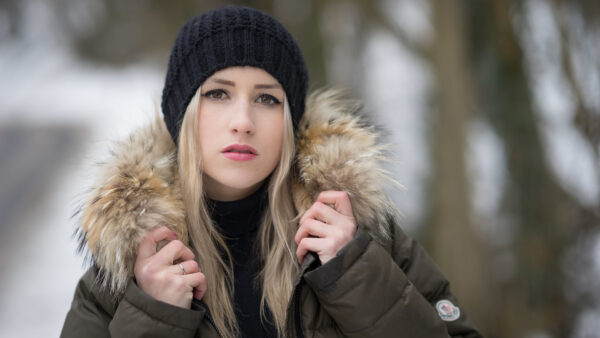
239 152
240 148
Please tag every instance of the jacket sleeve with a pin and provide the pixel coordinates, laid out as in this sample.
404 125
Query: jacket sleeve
372 291
137 314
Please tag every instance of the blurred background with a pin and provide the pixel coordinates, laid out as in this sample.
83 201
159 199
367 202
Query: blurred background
491 109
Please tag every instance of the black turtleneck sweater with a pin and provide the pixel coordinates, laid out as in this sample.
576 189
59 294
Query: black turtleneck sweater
239 222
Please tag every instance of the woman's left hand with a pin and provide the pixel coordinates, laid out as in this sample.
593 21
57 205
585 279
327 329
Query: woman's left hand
326 227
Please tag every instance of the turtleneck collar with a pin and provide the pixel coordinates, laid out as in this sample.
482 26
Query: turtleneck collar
236 218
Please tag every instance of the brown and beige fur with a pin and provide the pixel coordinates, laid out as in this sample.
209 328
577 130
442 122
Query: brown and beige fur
138 186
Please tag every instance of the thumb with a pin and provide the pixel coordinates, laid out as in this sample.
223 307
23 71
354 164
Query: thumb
147 246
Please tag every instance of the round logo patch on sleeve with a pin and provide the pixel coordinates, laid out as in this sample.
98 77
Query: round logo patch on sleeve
447 311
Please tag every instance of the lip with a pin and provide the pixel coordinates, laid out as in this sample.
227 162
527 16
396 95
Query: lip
229 152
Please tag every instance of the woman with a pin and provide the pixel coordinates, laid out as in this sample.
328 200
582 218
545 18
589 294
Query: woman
269 221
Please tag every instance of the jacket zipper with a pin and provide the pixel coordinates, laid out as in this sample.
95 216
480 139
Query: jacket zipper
297 314
212 322
209 316
311 260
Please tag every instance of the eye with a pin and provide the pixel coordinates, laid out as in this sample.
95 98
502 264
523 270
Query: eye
268 100
216 94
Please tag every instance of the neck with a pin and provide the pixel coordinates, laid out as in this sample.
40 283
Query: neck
219 192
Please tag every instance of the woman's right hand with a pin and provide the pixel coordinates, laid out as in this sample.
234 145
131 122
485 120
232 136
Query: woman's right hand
160 278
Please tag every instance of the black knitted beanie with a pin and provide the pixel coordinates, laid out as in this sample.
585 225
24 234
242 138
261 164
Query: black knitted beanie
231 36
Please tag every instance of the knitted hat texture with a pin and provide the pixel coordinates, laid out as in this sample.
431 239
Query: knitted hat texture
231 36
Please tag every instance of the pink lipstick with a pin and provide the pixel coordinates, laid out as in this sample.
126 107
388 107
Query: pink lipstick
239 152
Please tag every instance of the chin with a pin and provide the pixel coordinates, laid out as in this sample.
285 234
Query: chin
242 185
240 181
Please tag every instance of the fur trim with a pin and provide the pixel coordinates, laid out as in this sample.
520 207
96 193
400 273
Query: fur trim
137 190
138 186
338 151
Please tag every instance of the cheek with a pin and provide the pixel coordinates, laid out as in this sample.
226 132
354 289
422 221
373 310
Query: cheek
276 141
203 138
207 131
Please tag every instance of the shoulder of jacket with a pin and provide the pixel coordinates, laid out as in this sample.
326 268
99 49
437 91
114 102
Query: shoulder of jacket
90 289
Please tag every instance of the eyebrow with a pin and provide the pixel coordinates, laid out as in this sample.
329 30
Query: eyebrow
257 86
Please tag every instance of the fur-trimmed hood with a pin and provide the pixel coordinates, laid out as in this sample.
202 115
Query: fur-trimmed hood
138 187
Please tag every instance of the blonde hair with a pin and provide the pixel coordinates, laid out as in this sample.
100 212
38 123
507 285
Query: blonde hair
275 236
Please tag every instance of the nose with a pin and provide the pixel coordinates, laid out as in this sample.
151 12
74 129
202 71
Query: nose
241 120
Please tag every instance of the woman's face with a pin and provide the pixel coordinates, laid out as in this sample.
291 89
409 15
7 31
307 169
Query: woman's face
240 125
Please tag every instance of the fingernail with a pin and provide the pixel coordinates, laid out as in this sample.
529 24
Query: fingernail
174 233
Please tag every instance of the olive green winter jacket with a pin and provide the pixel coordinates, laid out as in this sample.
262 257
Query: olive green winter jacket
381 284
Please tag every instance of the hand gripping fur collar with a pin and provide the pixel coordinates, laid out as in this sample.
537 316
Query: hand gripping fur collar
138 187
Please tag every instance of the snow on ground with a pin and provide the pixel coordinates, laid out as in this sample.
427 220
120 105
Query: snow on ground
42 267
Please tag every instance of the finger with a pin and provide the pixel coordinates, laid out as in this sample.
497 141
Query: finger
309 244
321 212
312 227
200 290
195 280
198 294
147 246
190 266
339 199
173 251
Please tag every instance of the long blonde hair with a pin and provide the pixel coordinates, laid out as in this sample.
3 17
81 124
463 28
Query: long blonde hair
275 236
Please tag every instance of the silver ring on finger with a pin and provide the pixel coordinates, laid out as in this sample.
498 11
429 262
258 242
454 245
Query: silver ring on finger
182 269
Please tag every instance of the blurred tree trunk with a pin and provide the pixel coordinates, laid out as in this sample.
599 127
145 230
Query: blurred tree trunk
309 36
451 237
449 233
545 217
